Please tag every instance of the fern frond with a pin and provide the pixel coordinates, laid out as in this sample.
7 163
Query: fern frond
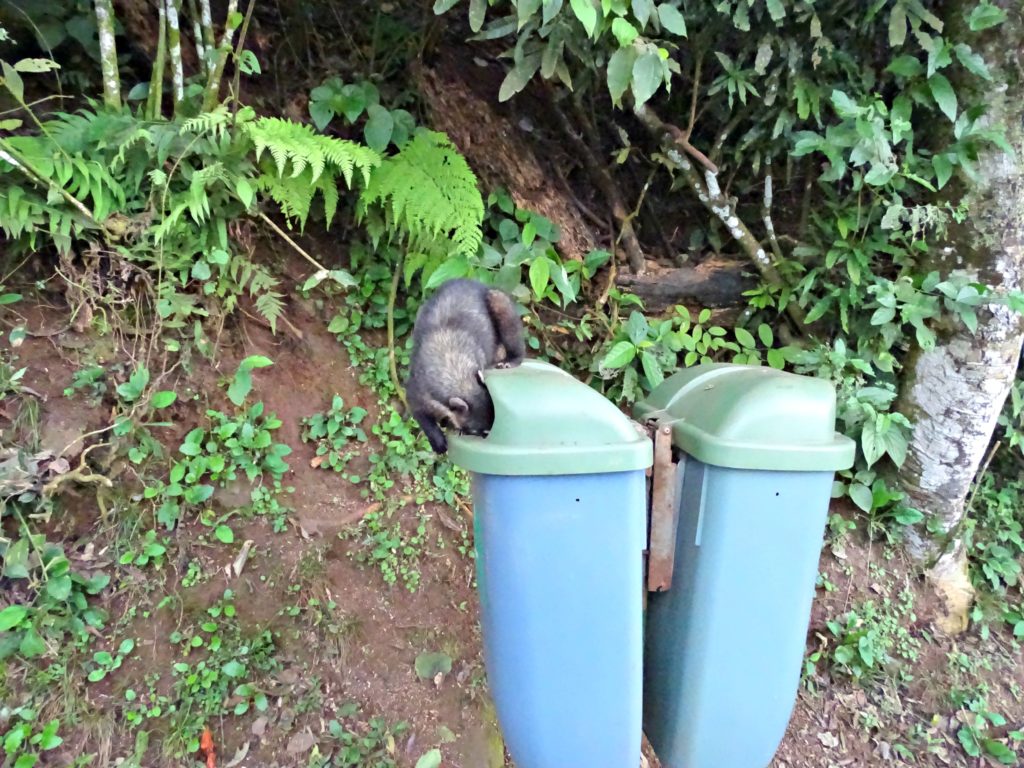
212 123
429 194
271 307
304 162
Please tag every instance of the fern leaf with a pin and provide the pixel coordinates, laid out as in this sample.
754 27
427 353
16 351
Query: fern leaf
271 307
429 194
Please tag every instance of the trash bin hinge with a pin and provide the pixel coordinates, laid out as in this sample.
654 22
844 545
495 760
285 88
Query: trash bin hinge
664 512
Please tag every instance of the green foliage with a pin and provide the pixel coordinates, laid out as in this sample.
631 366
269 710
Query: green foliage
978 720
429 195
333 431
868 639
353 100
642 353
24 740
313 163
218 455
219 674
355 743
994 541
49 599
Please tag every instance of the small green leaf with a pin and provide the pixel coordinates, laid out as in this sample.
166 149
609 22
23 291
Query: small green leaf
519 76
163 398
12 616
652 368
224 534
672 20
59 588
245 192
431 759
648 75
619 356
897 26
943 169
944 95
973 62
526 9
776 10
201 270
32 644
905 66
624 32
443 6
620 72
745 338
540 273
36 65
11 124
429 665
861 496
12 80
586 12
379 128
233 668
986 16
477 12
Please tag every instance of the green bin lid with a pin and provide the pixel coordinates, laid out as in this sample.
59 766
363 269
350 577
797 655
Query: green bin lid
548 423
751 417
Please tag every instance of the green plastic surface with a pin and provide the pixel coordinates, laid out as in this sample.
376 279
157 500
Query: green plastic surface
751 417
548 423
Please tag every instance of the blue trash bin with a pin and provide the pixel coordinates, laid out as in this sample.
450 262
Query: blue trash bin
725 643
559 494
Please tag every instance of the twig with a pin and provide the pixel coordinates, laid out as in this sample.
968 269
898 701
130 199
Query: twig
239 47
981 474
710 194
766 213
81 474
392 363
9 155
295 246
693 96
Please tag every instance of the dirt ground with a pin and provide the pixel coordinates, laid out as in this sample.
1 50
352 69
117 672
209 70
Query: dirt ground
367 653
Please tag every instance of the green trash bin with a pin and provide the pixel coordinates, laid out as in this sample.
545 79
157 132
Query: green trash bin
560 524
724 644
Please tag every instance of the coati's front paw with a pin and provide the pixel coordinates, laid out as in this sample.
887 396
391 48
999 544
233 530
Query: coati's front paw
503 364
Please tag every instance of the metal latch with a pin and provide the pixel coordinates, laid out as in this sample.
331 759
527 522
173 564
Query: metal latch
662 507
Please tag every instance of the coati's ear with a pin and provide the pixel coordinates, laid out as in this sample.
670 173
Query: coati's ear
480 376
458 406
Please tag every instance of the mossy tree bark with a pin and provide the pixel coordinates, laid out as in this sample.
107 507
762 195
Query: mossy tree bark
953 393
108 54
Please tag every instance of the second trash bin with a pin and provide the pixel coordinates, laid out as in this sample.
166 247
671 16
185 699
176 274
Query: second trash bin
724 644
560 522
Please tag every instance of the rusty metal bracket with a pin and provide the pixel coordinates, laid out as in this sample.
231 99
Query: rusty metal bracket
664 512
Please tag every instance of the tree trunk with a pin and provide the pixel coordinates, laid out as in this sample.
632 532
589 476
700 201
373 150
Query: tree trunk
174 48
108 54
212 97
954 393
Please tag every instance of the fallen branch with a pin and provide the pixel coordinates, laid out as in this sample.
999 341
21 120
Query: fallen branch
710 194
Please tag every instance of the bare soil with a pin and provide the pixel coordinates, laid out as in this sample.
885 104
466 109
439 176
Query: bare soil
369 655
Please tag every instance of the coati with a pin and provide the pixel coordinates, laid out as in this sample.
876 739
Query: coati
463 329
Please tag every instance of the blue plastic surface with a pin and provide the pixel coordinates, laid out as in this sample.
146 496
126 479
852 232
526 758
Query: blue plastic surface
560 573
724 646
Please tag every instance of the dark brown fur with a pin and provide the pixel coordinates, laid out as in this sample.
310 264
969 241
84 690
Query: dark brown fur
463 329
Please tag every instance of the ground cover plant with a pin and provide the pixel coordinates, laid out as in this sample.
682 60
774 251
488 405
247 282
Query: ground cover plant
222 537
